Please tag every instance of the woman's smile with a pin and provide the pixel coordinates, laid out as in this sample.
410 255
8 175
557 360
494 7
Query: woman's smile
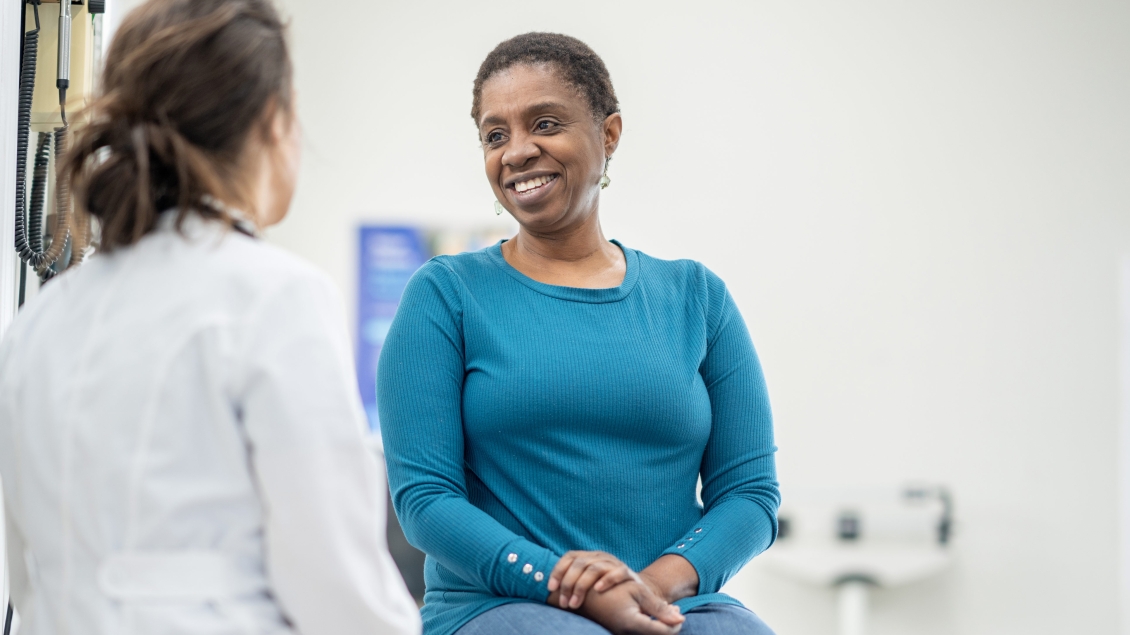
527 190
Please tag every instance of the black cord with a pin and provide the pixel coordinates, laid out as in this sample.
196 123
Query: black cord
31 249
60 237
23 265
38 192
23 125
23 284
37 210
8 620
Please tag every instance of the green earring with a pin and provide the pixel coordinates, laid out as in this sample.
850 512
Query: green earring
498 208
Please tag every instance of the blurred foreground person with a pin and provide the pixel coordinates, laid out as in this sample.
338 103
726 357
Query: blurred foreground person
181 441
549 403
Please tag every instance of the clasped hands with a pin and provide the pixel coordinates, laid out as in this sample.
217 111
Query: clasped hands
599 586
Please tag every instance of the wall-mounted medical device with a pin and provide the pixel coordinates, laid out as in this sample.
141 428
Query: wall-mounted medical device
57 76
63 62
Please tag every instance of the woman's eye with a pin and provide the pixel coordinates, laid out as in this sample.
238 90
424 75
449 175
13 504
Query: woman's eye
494 137
545 125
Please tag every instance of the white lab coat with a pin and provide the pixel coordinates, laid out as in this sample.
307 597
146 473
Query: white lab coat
181 443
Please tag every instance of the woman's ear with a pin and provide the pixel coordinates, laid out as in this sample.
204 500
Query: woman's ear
612 127
273 123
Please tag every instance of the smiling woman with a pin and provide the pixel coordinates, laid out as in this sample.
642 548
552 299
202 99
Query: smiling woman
549 122
571 392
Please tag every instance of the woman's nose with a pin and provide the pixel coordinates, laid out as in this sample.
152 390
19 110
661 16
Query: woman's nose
520 151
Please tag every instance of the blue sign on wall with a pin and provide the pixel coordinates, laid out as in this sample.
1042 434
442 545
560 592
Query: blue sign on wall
388 258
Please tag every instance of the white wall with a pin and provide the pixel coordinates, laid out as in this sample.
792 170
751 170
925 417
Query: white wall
918 207
1124 445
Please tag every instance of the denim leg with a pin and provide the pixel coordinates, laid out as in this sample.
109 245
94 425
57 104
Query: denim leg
723 619
527 618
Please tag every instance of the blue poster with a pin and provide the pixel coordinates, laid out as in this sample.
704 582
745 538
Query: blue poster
388 258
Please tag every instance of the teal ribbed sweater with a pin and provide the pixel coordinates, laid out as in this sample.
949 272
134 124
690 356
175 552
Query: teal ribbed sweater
522 420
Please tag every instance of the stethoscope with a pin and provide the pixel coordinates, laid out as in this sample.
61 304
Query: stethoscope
240 221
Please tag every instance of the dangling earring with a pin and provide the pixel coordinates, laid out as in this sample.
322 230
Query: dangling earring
498 208
604 180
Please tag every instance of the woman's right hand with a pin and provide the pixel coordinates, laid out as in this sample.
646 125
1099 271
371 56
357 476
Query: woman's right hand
628 609
578 571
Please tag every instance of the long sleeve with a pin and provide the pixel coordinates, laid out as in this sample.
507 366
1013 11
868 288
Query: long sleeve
739 484
419 393
323 492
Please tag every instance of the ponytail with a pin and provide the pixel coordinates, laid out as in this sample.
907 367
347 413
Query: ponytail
186 82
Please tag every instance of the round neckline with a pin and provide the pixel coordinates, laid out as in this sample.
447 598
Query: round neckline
574 294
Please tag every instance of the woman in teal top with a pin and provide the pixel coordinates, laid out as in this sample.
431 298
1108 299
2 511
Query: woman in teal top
549 404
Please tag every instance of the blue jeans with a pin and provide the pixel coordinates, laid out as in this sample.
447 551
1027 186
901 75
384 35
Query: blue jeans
527 618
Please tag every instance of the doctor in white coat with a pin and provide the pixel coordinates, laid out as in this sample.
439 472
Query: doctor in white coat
181 439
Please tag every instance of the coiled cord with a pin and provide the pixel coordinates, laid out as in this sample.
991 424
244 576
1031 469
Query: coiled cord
38 192
31 249
23 127
62 231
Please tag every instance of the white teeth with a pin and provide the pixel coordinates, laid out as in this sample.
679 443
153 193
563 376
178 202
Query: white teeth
532 183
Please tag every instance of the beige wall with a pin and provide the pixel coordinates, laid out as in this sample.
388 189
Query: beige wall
918 206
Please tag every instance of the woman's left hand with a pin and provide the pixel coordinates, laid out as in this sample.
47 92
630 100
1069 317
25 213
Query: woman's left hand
578 571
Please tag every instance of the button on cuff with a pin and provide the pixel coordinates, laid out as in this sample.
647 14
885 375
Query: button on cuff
695 534
513 575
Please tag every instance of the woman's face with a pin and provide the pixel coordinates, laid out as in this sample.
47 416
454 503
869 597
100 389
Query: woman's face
544 152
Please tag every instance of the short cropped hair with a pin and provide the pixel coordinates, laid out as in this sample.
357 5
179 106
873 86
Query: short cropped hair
578 64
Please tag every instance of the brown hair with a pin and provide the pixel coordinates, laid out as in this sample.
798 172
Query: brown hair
186 81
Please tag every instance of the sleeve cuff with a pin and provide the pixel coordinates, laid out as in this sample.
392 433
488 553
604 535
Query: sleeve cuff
523 570
694 537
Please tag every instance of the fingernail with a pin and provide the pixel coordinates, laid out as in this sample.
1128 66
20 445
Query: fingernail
552 584
575 602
